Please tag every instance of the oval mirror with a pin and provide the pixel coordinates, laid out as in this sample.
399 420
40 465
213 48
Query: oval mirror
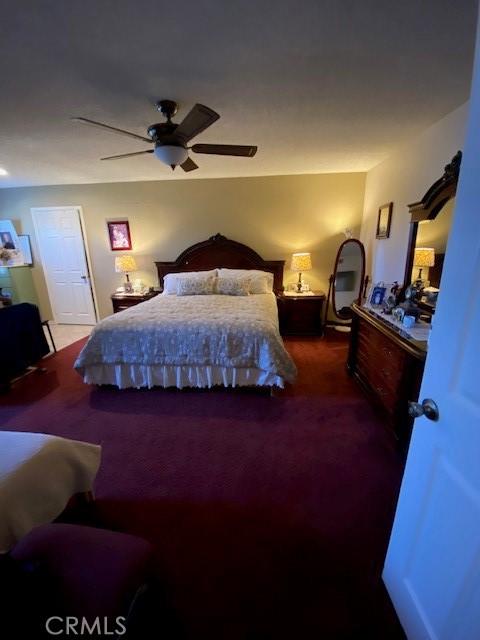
348 277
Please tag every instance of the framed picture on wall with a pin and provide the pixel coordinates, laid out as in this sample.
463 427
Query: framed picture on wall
384 220
8 236
10 250
119 235
26 249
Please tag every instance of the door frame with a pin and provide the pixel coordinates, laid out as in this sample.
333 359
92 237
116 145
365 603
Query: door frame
79 209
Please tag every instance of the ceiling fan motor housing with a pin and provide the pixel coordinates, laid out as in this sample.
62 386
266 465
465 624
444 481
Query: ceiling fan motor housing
162 132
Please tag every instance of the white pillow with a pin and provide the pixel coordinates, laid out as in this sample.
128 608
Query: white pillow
196 286
229 286
260 281
170 281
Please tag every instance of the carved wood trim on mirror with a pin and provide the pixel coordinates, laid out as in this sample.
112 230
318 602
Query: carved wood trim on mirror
441 191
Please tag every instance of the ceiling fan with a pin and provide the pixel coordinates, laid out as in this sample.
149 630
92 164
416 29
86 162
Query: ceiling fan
170 139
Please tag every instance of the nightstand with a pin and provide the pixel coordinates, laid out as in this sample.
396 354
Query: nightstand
121 301
301 315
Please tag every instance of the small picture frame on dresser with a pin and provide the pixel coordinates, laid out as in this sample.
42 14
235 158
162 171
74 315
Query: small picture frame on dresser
384 221
377 295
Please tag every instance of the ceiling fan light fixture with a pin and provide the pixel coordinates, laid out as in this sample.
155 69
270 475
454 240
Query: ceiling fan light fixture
170 154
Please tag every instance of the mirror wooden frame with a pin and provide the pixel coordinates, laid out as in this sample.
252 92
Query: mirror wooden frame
441 191
333 277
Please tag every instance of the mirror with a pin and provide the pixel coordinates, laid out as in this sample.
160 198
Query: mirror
430 247
348 276
431 220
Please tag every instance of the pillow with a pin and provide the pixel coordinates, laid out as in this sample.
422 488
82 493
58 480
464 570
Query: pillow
170 281
260 281
196 286
228 286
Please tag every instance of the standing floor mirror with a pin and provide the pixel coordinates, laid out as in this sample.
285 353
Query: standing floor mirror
346 283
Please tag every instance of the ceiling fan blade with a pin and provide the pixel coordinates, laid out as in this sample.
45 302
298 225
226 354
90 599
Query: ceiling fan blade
197 120
127 155
101 125
247 151
189 165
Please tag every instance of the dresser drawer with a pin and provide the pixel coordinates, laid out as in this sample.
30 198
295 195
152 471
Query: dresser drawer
373 361
389 363
386 392
384 349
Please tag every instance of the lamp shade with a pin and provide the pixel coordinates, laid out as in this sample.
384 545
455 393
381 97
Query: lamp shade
301 262
424 257
171 154
125 264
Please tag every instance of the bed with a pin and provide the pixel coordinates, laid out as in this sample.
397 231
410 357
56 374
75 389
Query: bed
195 340
39 473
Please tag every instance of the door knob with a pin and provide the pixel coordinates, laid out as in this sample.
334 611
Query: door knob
83 277
427 408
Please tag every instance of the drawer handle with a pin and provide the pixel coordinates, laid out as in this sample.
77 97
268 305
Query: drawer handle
380 390
386 373
387 352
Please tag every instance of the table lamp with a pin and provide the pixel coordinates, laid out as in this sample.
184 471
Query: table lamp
301 262
126 264
423 257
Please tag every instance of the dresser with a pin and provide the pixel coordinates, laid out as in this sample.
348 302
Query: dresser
24 342
121 301
388 366
301 315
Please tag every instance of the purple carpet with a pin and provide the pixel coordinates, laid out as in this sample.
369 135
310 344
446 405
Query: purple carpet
270 516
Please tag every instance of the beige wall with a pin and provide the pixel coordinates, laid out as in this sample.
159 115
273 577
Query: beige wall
402 179
274 215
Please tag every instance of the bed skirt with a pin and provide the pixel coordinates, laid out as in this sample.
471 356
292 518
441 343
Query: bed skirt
125 376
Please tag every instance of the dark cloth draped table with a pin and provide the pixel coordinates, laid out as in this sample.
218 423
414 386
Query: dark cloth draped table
22 340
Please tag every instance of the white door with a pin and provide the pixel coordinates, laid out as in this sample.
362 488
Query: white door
432 569
62 249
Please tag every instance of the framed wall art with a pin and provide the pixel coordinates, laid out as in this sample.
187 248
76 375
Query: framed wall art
384 220
119 235
26 249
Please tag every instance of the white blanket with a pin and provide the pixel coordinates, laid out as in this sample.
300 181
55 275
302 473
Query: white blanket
38 476
234 332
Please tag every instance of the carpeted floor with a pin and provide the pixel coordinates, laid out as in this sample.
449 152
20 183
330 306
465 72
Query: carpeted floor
270 516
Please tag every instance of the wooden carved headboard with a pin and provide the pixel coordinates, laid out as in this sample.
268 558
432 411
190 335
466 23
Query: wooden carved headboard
218 252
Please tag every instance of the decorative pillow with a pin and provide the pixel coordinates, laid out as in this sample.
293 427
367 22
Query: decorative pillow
171 280
260 281
233 286
196 286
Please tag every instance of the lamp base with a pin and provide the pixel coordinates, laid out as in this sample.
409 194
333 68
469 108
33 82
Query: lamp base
299 283
128 287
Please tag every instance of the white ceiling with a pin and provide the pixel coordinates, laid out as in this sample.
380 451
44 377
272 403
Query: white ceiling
318 85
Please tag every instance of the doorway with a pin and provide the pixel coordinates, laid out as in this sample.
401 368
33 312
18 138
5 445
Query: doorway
64 255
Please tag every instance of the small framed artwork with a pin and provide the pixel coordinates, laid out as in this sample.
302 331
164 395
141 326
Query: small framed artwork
8 236
377 295
26 249
384 220
119 234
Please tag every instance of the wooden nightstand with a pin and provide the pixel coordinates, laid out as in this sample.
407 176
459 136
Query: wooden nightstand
121 301
301 315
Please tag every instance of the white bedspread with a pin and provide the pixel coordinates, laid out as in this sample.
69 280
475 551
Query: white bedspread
38 476
216 331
